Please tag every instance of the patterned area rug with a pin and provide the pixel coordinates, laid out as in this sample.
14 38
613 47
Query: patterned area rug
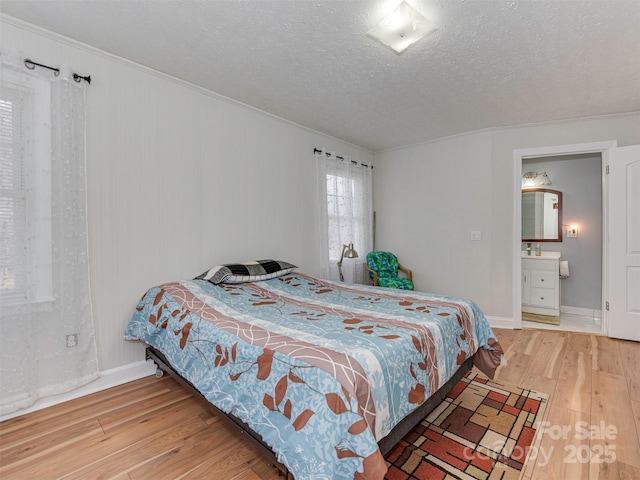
483 429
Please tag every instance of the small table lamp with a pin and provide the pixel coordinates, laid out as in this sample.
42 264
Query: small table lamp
347 252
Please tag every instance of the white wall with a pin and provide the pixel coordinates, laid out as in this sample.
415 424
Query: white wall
179 179
429 197
427 200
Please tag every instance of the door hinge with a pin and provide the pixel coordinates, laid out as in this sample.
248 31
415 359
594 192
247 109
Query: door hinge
607 306
607 170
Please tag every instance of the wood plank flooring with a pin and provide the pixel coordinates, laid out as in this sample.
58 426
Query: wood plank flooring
593 383
153 429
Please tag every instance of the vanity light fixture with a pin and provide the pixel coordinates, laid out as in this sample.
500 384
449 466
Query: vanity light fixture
402 28
533 179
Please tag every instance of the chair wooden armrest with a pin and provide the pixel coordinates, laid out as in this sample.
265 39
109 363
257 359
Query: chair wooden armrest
407 271
375 275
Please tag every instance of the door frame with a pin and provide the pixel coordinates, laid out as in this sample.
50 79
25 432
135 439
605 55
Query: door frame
604 149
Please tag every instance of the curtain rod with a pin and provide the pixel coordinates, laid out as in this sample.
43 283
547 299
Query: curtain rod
328 154
31 65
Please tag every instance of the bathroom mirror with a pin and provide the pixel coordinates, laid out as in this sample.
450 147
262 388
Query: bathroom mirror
541 215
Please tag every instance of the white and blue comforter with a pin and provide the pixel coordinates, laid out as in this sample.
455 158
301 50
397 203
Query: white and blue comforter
320 370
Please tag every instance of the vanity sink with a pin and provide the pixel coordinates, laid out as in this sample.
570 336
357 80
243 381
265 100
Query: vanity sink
544 255
541 283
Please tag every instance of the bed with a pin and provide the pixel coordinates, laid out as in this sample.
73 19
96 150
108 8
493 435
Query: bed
327 376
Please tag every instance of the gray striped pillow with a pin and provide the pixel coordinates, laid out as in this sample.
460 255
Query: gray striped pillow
246 272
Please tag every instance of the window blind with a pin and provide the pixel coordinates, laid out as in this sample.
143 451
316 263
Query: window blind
13 204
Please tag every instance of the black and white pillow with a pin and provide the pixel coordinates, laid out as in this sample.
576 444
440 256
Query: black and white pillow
246 272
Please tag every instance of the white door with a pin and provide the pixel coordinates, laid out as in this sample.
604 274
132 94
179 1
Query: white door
624 243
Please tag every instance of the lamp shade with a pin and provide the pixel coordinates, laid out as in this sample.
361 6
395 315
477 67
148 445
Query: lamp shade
347 252
350 252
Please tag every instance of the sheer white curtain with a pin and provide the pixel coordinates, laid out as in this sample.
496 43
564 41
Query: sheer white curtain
47 343
346 214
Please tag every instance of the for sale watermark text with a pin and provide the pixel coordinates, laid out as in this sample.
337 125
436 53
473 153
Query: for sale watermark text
542 453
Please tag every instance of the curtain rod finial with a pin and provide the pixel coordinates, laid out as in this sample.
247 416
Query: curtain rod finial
77 78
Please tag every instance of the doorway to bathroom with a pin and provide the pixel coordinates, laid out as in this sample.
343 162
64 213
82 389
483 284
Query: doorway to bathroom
577 237
578 171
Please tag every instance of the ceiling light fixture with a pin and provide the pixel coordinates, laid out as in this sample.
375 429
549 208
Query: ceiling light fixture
402 28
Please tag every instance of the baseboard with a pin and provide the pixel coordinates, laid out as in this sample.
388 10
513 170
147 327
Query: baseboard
107 379
501 322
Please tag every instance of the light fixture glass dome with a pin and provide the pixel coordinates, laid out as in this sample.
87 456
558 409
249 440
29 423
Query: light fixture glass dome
529 180
402 28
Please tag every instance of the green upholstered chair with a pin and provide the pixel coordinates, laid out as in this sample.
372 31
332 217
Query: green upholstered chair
383 269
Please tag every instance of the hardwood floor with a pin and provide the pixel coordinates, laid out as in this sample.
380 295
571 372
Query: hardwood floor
594 407
147 429
153 429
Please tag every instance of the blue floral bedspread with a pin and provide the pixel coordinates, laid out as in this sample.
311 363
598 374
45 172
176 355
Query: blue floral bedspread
321 370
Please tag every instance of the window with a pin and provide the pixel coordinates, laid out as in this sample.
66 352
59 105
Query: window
25 191
12 199
44 264
346 217
346 214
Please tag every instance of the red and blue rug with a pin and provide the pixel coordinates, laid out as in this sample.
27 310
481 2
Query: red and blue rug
483 430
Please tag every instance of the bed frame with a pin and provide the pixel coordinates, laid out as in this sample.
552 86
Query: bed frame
385 444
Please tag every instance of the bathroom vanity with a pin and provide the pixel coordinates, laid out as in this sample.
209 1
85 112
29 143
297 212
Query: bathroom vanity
541 283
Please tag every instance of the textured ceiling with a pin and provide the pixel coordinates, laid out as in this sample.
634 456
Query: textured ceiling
491 63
